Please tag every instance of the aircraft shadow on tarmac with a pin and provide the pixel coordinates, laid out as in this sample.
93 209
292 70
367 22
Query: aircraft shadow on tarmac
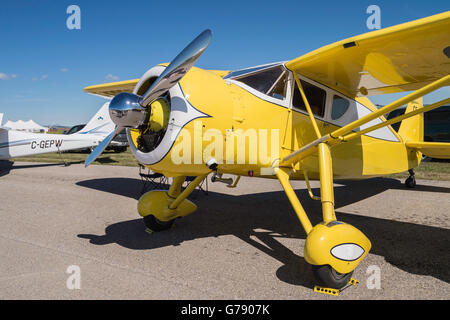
414 248
6 166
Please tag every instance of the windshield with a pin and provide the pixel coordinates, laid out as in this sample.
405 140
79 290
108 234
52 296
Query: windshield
270 81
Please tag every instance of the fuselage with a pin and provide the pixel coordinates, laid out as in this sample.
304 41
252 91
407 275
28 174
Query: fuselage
20 143
245 124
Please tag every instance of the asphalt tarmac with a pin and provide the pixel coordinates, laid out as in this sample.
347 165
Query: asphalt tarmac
74 233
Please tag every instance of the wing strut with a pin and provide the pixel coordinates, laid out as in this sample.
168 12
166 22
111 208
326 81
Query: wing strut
442 82
430 107
345 133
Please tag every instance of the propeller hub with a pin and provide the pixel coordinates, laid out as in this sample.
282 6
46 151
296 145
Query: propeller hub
126 112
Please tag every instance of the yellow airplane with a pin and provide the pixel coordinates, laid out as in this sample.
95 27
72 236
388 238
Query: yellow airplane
308 118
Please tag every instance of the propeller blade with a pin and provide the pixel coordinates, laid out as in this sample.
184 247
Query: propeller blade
101 147
177 68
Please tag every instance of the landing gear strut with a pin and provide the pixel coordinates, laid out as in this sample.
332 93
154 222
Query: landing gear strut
333 248
411 181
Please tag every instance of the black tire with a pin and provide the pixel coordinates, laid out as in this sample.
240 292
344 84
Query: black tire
330 278
156 225
410 182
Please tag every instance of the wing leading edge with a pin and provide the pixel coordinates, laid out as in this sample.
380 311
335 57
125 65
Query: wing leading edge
109 90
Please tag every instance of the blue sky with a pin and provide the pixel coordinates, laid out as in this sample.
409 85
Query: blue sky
44 66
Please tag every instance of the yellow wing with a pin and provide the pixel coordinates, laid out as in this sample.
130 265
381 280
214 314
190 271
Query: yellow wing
109 90
399 58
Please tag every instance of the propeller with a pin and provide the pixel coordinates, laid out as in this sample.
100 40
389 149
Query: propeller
129 110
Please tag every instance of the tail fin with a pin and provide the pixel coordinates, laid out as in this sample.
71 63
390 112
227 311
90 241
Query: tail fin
411 129
100 123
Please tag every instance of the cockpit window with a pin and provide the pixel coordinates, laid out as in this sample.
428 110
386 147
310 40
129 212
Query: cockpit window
271 81
278 90
76 128
237 73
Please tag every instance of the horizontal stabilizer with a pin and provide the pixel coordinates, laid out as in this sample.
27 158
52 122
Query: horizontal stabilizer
439 150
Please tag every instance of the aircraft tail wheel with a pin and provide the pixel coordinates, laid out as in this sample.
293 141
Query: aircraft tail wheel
411 181
156 225
330 278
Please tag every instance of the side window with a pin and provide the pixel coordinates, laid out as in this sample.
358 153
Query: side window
315 95
270 81
437 116
339 107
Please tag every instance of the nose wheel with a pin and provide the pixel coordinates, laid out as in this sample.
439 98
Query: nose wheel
411 181
152 223
330 278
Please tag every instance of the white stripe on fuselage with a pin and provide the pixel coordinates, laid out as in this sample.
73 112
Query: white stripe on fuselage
19 144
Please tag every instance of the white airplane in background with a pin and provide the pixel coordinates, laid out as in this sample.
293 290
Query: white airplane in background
19 144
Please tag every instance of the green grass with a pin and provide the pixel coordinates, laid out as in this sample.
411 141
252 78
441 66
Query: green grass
432 170
59 131
108 157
